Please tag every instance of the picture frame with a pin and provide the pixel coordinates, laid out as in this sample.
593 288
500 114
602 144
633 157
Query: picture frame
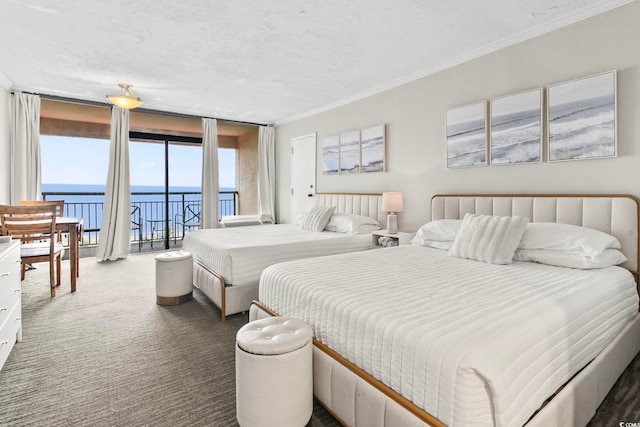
331 155
582 118
372 149
350 152
466 128
516 128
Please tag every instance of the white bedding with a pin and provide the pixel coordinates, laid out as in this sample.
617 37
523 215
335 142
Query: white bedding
456 337
240 254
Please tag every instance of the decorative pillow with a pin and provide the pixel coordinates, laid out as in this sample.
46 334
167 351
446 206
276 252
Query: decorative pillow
352 224
607 258
445 246
491 239
568 238
317 218
442 230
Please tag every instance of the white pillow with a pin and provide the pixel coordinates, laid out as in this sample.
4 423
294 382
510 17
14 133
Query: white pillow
566 237
491 239
445 246
607 258
317 218
442 230
352 223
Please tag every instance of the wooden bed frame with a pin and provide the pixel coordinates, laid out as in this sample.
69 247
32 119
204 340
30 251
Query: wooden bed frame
237 299
357 399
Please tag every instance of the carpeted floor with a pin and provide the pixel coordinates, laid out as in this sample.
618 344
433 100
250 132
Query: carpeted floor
108 355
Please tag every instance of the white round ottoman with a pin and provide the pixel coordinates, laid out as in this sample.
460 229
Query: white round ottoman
174 278
274 373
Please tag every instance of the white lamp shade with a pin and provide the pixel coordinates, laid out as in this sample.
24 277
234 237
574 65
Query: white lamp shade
392 202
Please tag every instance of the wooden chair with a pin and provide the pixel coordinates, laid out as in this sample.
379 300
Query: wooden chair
35 227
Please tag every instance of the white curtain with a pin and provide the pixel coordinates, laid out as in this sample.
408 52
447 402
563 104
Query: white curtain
210 179
266 173
115 232
26 173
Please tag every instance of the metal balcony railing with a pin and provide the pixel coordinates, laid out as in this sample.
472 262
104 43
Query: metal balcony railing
147 213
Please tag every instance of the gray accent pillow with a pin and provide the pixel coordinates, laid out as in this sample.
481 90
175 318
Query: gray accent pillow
317 218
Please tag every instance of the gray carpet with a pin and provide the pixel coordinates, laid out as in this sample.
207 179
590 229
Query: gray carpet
108 355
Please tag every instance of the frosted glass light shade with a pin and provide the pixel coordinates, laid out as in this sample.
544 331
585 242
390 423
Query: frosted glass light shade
127 100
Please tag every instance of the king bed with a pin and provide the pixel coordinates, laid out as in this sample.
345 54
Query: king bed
413 336
228 261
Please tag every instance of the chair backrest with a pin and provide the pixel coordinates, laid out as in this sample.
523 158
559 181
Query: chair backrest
59 204
29 223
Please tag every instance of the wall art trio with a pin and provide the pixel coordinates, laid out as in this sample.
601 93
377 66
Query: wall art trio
358 151
580 124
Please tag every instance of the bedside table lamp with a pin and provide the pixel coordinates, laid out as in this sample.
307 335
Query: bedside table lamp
392 203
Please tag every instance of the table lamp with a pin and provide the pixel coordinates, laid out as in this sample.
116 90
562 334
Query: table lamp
392 203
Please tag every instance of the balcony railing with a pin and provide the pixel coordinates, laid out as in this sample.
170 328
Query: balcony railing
147 213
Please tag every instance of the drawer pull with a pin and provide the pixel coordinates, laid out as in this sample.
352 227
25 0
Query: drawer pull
4 342
3 308
16 290
5 274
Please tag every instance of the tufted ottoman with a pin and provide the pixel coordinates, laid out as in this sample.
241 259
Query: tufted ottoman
174 278
274 373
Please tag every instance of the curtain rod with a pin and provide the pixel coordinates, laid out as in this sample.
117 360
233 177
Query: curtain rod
143 110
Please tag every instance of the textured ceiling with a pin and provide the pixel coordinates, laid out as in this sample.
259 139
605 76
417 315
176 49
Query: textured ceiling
252 60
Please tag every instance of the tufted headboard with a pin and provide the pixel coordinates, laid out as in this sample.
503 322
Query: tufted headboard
360 204
614 214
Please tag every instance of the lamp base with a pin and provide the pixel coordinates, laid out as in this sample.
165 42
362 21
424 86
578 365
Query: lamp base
392 223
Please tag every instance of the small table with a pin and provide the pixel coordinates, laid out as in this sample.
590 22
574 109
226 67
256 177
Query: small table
71 226
154 227
400 238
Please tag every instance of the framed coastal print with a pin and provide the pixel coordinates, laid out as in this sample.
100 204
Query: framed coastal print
467 135
331 155
582 118
350 152
516 128
373 149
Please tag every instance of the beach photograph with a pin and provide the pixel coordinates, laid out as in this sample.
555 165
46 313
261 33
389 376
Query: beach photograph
373 146
582 118
350 152
331 155
467 136
516 128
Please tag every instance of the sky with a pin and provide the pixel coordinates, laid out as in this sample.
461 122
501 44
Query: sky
68 160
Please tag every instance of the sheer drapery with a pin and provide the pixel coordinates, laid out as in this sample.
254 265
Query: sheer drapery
115 232
210 179
266 173
26 173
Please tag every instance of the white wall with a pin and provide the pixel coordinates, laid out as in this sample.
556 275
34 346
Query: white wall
4 145
415 117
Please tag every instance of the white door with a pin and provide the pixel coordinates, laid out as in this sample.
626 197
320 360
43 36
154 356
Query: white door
303 174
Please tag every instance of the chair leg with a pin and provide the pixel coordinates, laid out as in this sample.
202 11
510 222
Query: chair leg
51 280
58 270
22 270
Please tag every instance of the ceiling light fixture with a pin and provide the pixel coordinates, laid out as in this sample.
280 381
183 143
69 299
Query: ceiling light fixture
127 100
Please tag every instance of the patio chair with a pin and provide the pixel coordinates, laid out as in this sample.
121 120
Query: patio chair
188 219
136 224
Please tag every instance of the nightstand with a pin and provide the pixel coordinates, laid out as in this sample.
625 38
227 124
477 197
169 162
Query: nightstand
400 238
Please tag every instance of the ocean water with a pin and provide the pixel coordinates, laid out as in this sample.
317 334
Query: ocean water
466 144
582 129
89 207
516 137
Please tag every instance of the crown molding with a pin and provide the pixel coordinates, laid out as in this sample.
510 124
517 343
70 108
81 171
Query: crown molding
4 81
531 33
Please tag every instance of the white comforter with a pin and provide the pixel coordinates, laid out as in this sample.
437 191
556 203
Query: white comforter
471 343
239 254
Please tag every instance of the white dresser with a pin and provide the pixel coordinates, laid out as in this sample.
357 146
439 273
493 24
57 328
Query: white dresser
10 298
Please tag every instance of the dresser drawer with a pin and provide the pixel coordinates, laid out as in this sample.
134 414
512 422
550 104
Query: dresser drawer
8 333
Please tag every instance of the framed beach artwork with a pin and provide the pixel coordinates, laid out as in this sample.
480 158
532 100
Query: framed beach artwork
331 155
467 135
582 118
350 152
516 128
373 149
